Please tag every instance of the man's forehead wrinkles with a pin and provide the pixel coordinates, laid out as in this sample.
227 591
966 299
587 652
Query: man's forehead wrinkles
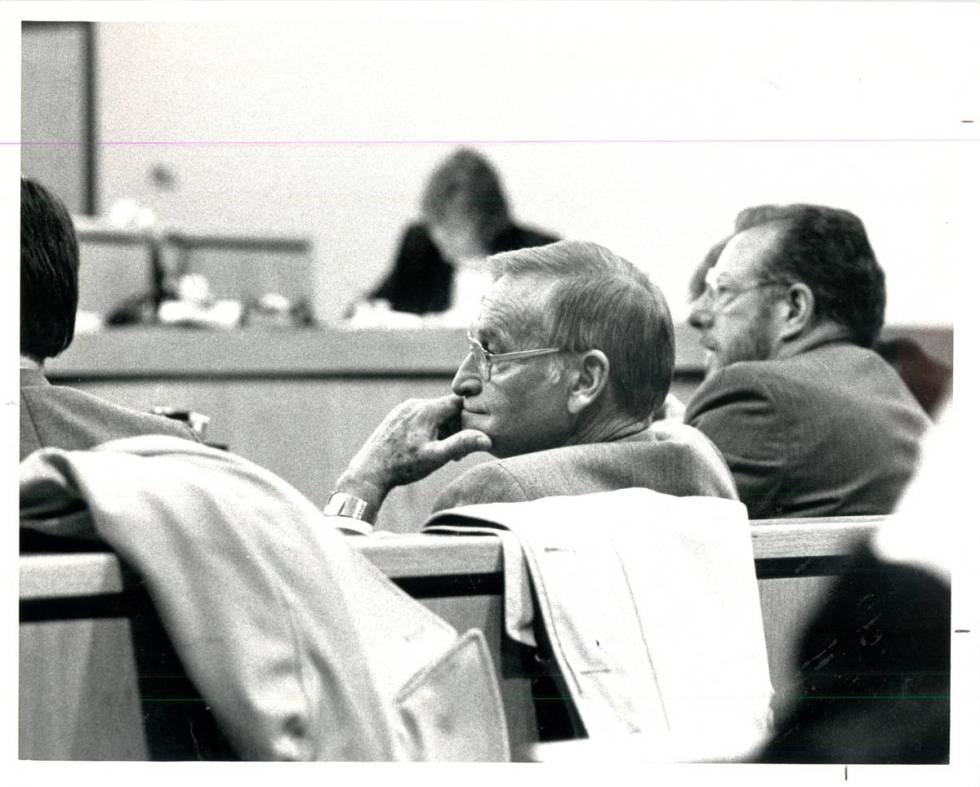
510 313
494 318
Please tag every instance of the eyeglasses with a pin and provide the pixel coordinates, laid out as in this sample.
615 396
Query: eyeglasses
717 296
485 359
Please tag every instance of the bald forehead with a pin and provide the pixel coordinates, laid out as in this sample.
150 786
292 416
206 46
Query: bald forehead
746 254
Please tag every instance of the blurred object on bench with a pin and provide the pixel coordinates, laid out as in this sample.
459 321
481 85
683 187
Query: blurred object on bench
130 268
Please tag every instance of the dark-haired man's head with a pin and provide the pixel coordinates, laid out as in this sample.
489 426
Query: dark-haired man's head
572 344
787 274
464 206
48 273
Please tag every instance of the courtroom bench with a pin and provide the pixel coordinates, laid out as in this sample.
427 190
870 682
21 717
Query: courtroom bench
87 691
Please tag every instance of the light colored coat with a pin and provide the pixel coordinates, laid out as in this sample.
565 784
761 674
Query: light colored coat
302 648
633 592
61 417
669 457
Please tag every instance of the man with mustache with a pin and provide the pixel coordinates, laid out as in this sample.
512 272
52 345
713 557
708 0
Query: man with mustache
810 420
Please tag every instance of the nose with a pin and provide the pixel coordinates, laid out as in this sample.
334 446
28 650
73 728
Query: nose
700 315
467 381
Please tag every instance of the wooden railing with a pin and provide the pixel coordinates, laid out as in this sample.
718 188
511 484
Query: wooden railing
81 695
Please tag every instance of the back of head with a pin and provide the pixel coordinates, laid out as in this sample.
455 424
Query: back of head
828 250
466 186
600 301
48 273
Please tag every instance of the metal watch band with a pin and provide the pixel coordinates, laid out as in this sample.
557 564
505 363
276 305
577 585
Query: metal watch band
342 504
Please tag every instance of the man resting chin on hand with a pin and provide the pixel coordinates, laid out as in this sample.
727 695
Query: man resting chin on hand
570 357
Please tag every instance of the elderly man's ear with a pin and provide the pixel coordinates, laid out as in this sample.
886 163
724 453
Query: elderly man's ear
589 379
797 311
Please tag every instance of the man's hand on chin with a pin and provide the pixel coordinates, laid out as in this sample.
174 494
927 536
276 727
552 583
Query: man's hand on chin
415 439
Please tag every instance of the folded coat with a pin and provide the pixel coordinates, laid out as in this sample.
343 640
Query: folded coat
303 649
650 606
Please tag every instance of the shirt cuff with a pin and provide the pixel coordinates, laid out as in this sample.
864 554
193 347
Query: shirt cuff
349 525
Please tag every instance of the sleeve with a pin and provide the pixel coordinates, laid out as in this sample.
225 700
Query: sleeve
487 483
737 412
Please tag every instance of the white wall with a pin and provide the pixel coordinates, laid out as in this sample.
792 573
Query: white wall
329 127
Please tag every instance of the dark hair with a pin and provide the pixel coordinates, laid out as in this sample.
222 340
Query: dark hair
750 217
48 273
828 250
600 301
466 184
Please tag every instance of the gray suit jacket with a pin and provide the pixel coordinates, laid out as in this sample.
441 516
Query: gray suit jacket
59 417
668 457
831 431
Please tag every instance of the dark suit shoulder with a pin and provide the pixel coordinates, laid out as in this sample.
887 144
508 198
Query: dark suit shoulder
829 431
747 384
836 372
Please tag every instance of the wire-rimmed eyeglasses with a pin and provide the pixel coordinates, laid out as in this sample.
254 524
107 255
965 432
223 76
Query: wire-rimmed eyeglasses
717 295
485 359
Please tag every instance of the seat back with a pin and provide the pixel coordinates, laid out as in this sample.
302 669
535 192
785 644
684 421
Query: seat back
99 680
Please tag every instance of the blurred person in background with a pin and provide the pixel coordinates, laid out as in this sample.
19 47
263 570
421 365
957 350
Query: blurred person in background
465 218
53 415
810 420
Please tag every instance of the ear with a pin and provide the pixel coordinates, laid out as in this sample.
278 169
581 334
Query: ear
590 377
797 311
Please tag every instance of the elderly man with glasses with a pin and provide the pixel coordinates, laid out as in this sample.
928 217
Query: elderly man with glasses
810 420
569 359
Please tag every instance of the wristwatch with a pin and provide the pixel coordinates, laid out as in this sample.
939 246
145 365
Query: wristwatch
343 504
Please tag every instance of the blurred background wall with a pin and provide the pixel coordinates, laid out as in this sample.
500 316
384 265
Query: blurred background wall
328 128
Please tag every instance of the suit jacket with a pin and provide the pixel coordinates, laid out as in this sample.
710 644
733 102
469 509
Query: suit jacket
59 417
668 457
830 431
422 281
